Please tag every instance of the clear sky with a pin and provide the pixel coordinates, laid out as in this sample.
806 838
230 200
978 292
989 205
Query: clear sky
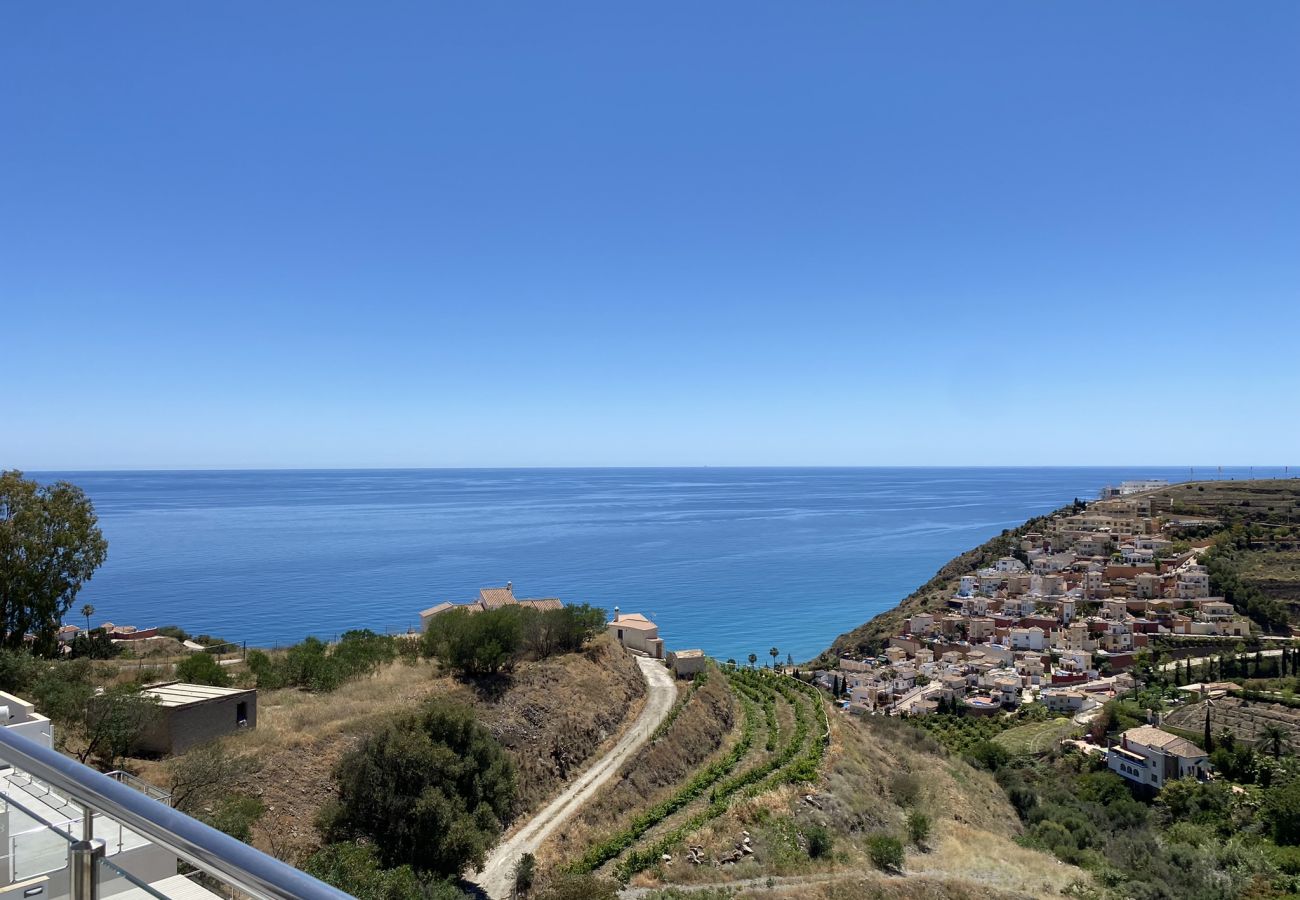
309 234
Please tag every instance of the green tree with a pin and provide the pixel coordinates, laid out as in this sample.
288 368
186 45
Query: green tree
753 658
50 545
774 653
206 775
88 610
112 722
201 668
95 644
1274 736
476 644
431 790
1281 812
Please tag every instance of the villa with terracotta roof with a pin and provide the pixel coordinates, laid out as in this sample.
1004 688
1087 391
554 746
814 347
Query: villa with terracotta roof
1150 757
637 633
489 598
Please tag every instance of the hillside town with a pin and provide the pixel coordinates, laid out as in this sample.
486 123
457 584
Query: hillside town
1059 621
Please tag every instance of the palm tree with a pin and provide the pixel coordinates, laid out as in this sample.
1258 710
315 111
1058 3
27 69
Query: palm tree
1274 734
753 658
88 611
774 653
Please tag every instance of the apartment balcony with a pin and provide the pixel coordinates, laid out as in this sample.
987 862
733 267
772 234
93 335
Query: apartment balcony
68 832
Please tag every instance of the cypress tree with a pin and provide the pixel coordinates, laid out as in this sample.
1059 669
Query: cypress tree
1209 738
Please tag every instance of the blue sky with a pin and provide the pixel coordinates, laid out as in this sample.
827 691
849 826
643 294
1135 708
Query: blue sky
408 234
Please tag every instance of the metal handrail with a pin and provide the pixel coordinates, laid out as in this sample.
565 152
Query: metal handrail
247 869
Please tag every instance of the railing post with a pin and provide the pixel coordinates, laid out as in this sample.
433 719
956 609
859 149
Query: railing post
83 868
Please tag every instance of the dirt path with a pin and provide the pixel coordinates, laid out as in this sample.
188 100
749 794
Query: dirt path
497 876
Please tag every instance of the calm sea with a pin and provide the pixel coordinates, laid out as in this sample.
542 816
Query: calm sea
731 560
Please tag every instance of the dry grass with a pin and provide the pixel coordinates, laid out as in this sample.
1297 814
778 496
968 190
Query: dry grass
551 716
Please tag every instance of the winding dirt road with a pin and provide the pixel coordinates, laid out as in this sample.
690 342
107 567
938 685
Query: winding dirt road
497 876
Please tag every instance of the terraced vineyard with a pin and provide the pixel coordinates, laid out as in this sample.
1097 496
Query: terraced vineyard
783 738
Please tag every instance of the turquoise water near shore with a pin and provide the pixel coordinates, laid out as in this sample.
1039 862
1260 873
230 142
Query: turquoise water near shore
731 560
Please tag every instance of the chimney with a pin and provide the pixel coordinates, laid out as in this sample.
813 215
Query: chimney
616 614
510 586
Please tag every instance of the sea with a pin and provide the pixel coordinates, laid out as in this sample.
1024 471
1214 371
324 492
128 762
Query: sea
733 561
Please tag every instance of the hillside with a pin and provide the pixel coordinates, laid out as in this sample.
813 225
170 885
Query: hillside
1259 529
753 790
872 635
877 773
551 716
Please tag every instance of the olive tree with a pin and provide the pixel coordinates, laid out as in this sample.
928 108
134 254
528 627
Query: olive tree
50 545
431 790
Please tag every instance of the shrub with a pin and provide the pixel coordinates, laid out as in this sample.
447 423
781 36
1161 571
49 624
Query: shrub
355 868
905 788
524 871
235 816
988 755
201 668
886 852
918 827
203 777
431 789
319 667
475 644
1282 813
820 841
18 670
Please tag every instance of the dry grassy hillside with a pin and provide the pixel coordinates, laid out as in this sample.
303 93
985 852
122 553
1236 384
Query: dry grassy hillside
552 716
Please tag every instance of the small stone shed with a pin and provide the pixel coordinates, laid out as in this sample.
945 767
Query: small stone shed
191 714
687 663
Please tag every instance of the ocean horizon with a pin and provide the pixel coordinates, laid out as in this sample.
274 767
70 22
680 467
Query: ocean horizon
731 560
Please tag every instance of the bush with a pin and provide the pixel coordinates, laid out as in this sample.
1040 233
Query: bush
480 643
235 816
175 632
95 644
886 852
524 871
355 869
18 670
918 827
820 841
201 668
1282 813
431 790
319 667
988 755
483 643
206 775
905 788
